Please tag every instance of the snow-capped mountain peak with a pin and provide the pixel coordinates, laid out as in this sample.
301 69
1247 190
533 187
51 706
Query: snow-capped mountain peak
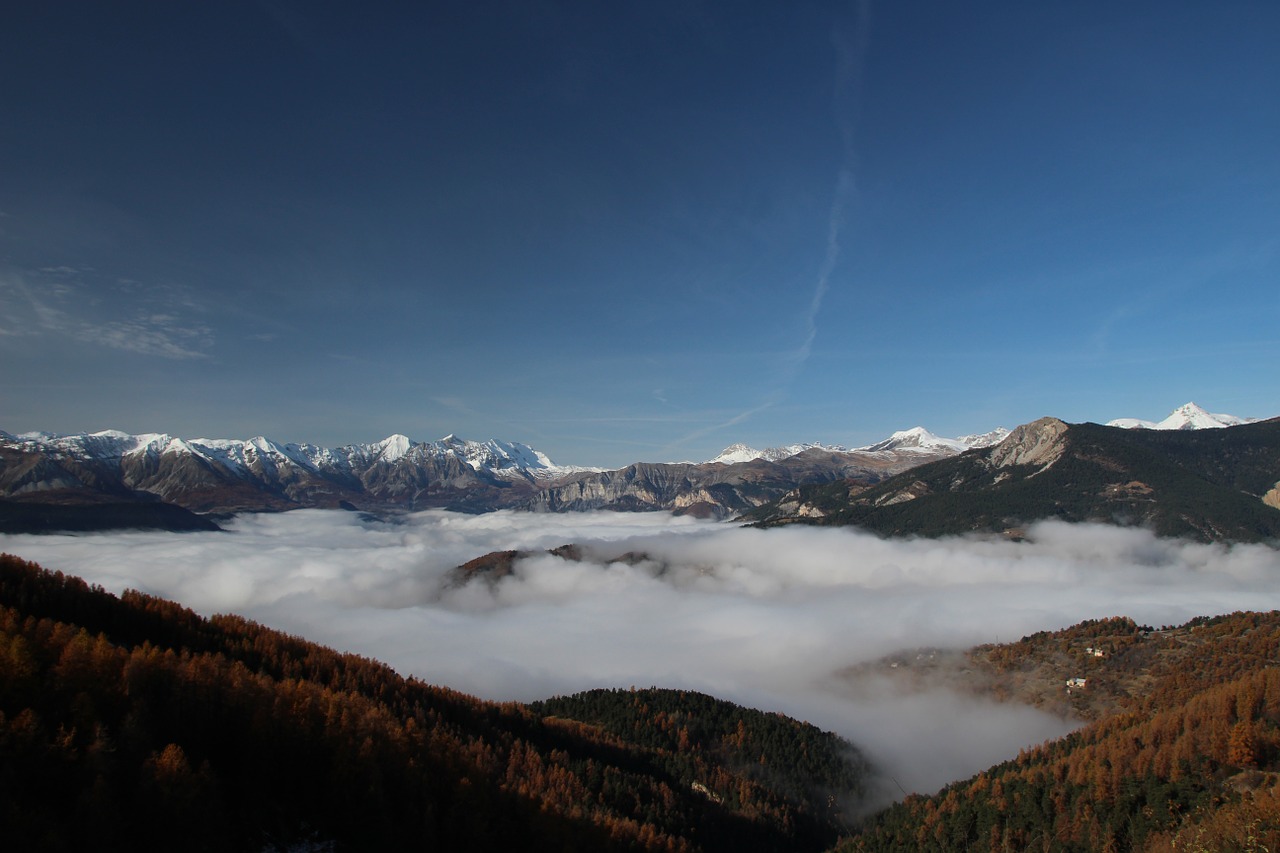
916 439
1186 416
1191 416
503 459
736 453
391 448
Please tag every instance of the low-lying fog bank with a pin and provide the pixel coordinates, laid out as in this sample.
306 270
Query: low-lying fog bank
764 618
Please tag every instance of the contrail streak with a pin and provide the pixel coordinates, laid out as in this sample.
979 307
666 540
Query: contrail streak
846 98
845 103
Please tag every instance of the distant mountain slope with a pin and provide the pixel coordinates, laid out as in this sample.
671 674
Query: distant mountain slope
218 475
715 489
1215 484
132 723
1190 760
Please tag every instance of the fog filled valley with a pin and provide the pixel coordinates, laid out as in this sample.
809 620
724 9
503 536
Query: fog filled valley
780 620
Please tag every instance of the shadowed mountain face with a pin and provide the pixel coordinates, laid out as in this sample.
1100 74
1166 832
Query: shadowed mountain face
1211 485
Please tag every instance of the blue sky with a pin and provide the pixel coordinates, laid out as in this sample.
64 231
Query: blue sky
624 232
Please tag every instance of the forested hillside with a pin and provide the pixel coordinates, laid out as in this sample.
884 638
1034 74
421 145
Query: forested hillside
1190 761
779 761
133 723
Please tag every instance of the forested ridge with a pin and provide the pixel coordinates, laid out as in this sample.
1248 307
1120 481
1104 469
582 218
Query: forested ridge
132 722
1200 484
764 762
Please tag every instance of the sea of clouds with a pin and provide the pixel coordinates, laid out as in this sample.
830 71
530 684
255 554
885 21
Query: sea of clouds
768 619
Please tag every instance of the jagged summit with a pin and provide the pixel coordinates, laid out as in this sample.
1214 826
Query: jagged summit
228 475
491 455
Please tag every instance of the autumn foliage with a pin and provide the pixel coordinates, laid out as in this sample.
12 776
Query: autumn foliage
1188 763
132 723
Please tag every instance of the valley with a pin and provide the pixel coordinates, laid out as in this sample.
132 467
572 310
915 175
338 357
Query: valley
602 669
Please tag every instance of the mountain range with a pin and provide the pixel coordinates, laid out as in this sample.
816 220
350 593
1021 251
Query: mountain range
213 476
111 478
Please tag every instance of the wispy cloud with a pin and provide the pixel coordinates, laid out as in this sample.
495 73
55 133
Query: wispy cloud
457 405
851 51
154 334
835 224
27 309
57 301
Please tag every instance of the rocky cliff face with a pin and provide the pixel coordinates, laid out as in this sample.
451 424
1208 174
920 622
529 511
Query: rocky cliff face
1039 443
